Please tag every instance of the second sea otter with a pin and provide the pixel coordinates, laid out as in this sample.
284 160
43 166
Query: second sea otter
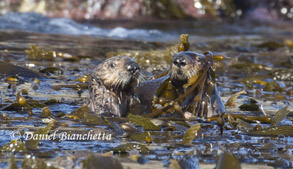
204 101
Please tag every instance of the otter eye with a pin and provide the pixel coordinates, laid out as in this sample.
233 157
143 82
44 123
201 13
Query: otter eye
112 65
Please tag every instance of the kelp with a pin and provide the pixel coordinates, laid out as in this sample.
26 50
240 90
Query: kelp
191 80
148 138
286 130
14 146
273 86
184 44
128 128
22 103
249 82
282 74
165 92
174 164
243 124
227 160
279 116
262 119
12 163
219 57
172 130
200 80
146 123
41 134
12 79
17 73
93 120
21 100
232 121
78 86
249 107
255 67
190 134
231 101
289 43
142 137
37 163
84 115
46 112
37 53
83 79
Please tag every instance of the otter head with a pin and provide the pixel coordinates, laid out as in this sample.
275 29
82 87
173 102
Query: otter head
185 65
117 73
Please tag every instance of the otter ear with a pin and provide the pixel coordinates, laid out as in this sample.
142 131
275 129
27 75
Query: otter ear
209 56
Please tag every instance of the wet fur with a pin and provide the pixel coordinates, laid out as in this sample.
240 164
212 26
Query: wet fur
111 87
194 64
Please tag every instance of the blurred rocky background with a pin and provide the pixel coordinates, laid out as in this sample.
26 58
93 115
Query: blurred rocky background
264 10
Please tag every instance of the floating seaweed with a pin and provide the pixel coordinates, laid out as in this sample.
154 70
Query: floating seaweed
231 101
144 122
37 53
190 134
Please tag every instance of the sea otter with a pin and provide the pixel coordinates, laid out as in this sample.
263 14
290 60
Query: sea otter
184 66
111 86
187 64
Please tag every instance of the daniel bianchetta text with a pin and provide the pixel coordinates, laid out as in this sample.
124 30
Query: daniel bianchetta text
61 136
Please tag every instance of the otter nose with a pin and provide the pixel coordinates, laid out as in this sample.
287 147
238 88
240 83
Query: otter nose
132 67
179 61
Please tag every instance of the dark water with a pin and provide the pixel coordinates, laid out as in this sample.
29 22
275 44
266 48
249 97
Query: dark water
238 41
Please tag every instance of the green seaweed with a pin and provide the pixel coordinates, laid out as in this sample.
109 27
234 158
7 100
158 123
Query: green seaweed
13 146
190 134
249 107
146 123
285 130
231 101
227 160
37 53
140 137
184 44
273 86
279 116
41 134
31 162
12 163
243 124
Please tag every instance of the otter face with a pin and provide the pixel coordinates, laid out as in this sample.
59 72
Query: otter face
185 65
117 73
